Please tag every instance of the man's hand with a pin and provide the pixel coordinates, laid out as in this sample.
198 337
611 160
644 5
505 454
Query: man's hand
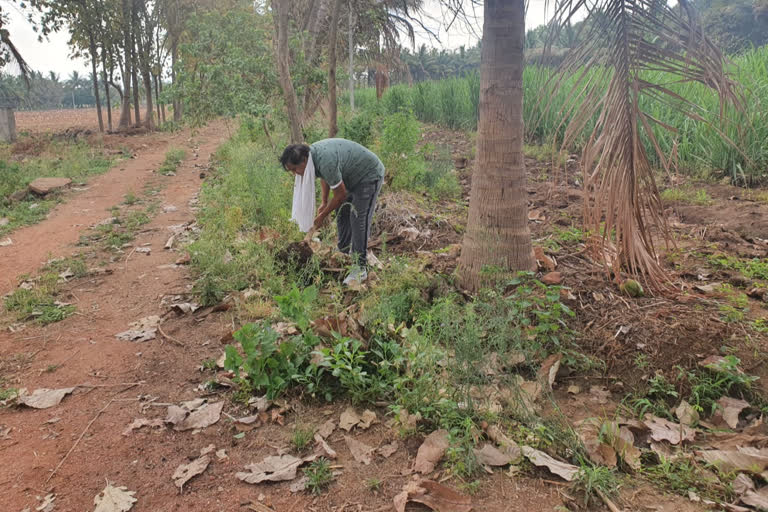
319 221
323 207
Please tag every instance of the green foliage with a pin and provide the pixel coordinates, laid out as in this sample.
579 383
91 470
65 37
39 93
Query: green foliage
301 438
359 128
717 380
592 480
219 77
173 158
682 475
408 167
319 475
687 195
700 148
297 305
755 268
39 302
268 366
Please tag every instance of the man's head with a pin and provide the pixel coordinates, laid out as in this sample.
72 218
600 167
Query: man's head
295 158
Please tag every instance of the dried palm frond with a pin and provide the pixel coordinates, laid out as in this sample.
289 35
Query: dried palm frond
624 40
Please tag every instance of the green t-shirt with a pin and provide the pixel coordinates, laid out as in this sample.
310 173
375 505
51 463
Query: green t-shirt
338 160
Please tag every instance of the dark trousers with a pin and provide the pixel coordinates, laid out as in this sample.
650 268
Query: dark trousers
354 217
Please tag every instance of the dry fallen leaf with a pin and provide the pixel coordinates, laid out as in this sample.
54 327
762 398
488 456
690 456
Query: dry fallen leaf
567 472
757 499
388 450
599 394
436 496
742 484
548 371
731 408
194 415
114 499
589 431
367 419
272 468
349 418
143 422
326 429
749 460
142 330
665 430
506 445
360 451
431 451
686 414
43 398
321 442
489 455
186 472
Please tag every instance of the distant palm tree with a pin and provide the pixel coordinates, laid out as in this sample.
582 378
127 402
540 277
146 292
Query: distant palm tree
54 77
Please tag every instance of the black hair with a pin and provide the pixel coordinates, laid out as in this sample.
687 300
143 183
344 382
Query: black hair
294 154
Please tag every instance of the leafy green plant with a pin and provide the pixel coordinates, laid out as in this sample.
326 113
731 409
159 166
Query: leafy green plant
297 305
373 484
319 475
267 366
346 361
715 381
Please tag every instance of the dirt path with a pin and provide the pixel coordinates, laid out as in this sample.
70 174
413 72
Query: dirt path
83 349
33 245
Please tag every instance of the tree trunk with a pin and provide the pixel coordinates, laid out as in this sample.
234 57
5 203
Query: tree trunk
284 70
351 31
382 80
333 107
134 65
162 109
94 70
105 79
176 102
157 98
125 70
311 50
497 233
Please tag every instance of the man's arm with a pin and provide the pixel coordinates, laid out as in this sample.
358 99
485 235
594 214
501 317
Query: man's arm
339 195
326 189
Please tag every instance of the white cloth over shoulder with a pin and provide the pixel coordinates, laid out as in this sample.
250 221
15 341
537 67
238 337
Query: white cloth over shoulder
303 212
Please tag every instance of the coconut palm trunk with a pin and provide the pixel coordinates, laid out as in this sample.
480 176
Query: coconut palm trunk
497 229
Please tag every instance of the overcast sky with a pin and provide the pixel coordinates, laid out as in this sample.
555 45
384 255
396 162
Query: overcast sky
54 54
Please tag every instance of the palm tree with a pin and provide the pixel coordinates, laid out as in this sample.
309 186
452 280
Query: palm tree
622 205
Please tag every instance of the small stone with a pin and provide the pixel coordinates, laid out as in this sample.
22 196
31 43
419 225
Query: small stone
4 221
552 278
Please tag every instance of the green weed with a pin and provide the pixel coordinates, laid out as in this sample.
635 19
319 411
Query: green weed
39 301
373 484
173 159
301 438
595 480
687 195
319 475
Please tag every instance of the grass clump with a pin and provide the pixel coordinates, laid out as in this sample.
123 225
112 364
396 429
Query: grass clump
687 195
38 301
76 161
301 438
319 475
173 159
